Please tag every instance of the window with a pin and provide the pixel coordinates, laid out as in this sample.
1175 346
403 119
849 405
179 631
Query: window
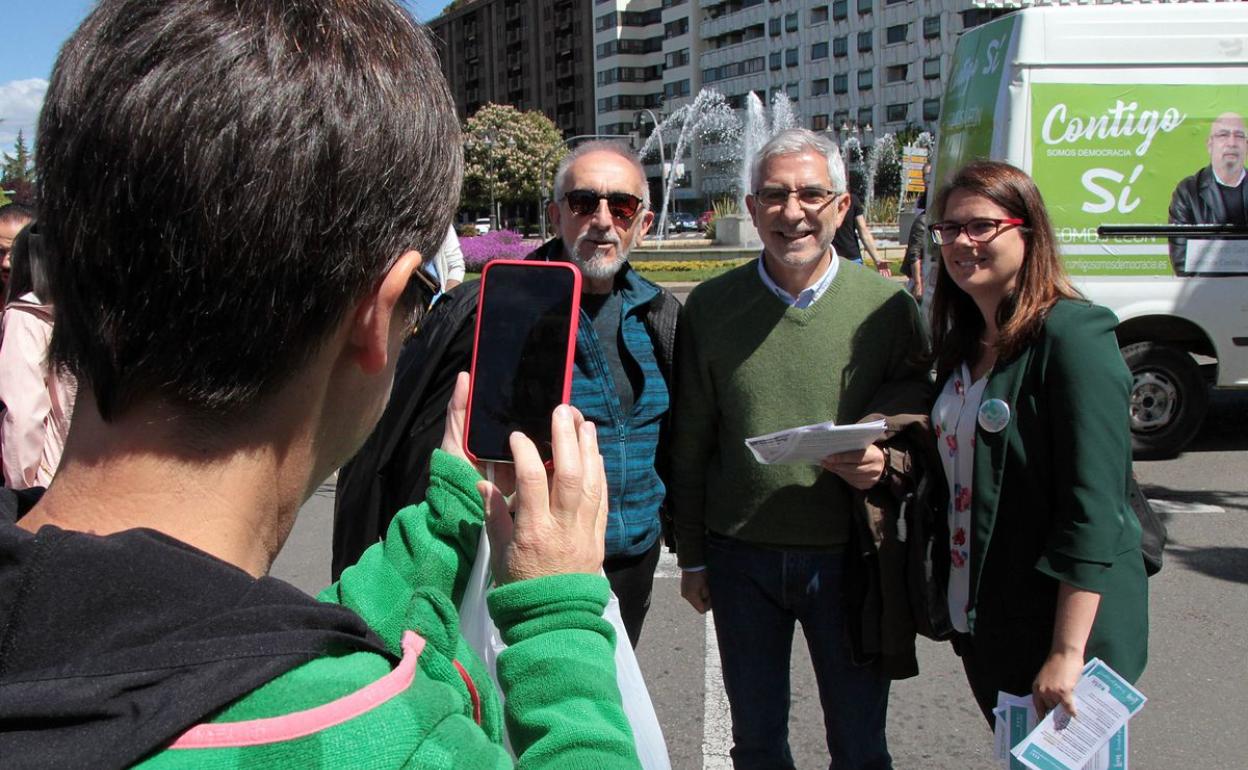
865 116
840 46
840 83
773 27
840 9
676 28
773 60
819 51
819 123
896 73
931 68
819 87
931 27
733 70
790 22
794 90
931 109
977 16
864 80
676 58
790 57
864 41
676 90
864 6
670 3
840 118
819 15
896 113
606 21
896 33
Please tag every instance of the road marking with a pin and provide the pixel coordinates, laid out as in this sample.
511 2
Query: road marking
1174 506
666 567
716 718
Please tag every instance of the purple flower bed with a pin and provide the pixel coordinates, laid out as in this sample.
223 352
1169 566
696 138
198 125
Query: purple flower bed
496 244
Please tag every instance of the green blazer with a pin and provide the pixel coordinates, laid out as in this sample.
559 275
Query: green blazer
1050 495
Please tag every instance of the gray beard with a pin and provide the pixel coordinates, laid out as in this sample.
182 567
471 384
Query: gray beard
596 267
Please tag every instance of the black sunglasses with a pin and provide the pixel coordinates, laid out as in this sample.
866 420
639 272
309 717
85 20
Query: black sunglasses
585 202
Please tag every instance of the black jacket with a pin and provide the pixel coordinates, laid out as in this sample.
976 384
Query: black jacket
1196 201
110 647
391 469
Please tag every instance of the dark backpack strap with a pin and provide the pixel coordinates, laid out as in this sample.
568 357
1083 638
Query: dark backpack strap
1153 533
661 318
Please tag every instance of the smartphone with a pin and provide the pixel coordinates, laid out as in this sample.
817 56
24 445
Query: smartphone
522 355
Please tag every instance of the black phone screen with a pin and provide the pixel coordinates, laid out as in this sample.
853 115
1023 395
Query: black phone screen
521 362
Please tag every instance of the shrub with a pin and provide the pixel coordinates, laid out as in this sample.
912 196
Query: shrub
496 244
883 211
466 231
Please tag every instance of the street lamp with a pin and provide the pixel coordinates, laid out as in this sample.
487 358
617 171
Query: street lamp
662 170
488 139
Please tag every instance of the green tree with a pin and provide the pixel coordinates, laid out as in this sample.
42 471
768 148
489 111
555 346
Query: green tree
509 155
18 171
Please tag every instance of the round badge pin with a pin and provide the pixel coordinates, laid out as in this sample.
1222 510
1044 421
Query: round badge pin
994 415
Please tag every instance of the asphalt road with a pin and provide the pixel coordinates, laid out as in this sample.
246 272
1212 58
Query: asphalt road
1197 715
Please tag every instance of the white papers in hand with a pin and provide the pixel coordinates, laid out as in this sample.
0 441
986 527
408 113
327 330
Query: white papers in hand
809 444
1061 742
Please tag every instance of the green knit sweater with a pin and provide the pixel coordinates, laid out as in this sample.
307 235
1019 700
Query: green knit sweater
563 705
750 364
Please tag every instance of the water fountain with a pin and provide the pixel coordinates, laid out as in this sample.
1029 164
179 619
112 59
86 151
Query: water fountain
710 118
884 149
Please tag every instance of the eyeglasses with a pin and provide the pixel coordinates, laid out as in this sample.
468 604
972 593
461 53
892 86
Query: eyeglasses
808 197
419 294
977 230
585 202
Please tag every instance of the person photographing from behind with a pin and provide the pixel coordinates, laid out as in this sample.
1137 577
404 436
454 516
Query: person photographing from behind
139 625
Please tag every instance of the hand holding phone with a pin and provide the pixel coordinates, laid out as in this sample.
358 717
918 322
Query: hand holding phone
522 355
560 521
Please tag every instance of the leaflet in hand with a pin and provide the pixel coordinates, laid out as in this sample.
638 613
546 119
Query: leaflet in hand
809 444
1105 702
1016 718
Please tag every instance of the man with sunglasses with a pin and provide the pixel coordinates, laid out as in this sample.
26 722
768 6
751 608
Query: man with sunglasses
1217 194
622 378
797 337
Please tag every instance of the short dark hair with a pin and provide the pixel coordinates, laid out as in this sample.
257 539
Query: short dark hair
222 180
16 212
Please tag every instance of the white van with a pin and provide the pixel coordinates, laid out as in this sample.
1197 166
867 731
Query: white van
1110 108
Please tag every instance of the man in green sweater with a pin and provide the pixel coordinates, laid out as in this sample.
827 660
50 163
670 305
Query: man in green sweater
799 336
237 197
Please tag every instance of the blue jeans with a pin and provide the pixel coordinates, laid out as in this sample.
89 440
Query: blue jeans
756 595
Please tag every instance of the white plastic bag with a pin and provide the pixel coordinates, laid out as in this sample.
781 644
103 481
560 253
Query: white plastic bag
482 635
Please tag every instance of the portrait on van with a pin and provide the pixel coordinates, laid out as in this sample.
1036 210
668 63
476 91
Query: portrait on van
1214 195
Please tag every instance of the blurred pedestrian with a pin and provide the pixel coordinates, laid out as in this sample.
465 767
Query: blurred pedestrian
13 217
38 398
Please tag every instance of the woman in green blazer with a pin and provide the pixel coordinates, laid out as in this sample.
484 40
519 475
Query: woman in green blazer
1032 424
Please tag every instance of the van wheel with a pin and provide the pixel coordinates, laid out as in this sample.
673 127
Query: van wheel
1168 399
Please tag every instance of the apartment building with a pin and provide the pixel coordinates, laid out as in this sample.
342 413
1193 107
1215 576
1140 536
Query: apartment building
845 63
532 54
611 67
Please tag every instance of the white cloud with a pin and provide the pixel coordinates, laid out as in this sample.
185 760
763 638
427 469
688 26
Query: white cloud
20 102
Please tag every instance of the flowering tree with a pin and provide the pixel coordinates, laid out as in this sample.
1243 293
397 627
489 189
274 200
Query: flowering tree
509 155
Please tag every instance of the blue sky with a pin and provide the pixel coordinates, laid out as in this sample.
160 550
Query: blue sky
34 31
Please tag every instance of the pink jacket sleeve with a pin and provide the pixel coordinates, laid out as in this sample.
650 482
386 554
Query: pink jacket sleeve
24 390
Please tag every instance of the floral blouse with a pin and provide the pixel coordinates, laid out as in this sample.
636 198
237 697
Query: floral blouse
954 418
